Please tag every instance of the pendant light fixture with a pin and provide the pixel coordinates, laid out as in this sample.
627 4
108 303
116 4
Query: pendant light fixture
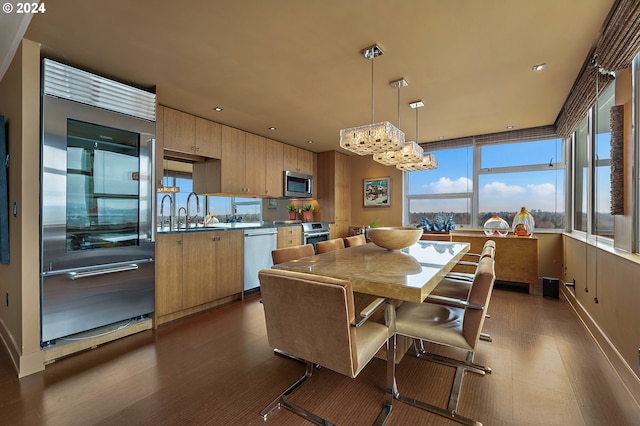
410 152
375 137
428 161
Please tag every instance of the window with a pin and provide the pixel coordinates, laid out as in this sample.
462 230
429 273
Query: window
592 170
508 176
523 174
446 190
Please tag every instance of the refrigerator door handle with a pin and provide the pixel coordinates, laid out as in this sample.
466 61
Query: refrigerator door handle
94 272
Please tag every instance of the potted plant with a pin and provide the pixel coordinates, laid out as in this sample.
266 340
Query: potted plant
307 213
292 212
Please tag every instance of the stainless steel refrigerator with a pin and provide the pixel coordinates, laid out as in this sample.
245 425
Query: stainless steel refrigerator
97 241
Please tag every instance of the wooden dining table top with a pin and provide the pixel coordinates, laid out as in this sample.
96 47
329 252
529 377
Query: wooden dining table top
409 274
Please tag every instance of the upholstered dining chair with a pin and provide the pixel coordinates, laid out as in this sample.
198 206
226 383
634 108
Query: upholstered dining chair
329 245
355 240
313 317
457 327
287 254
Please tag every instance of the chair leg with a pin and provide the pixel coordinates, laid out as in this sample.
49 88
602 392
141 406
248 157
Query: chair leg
390 382
467 364
282 401
450 412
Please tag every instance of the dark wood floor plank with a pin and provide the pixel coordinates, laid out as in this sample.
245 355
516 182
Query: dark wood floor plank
217 369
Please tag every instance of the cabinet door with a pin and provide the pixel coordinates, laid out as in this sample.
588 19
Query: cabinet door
228 264
168 273
290 158
179 131
289 236
255 176
305 161
274 160
233 153
208 138
199 254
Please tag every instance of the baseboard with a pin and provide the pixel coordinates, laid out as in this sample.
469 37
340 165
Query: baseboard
10 344
94 338
626 374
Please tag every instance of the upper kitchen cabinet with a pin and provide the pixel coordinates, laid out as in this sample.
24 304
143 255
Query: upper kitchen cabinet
179 130
241 169
274 167
208 140
299 160
188 134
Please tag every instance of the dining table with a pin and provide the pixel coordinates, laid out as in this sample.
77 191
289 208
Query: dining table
406 275
409 274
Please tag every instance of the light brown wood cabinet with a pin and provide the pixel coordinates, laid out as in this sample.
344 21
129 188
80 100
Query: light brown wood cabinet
274 168
333 183
516 258
289 236
195 268
299 160
188 134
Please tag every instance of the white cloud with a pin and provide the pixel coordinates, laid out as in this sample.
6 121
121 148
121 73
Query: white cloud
501 189
446 185
542 190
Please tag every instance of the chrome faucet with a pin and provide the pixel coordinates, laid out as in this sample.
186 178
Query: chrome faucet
197 209
162 210
185 214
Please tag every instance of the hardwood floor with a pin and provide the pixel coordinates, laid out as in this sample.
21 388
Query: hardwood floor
217 369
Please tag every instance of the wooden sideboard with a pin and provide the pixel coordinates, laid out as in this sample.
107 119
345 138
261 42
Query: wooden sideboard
516 258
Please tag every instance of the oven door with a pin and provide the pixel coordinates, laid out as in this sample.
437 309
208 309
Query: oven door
315 238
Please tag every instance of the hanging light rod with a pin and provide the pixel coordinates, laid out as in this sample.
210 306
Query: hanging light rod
373 52
416 104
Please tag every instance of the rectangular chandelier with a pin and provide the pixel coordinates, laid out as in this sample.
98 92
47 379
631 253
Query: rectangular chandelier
411 152
428 162
372 138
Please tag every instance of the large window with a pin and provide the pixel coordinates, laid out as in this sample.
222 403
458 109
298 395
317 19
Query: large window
446 190
592 169
473 182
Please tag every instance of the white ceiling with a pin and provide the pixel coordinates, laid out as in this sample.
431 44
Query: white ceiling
296 64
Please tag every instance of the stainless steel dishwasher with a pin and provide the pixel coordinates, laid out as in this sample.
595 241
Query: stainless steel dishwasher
258 244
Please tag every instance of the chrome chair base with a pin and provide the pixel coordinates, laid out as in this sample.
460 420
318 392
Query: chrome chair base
467 364
460 366
282 400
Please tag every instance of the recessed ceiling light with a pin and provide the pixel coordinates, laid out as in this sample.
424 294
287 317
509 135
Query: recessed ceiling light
272 128
510 126
217 109
538 67
309 141
440 137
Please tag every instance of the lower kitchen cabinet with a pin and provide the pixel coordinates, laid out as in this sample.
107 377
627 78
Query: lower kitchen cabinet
289 236
196 268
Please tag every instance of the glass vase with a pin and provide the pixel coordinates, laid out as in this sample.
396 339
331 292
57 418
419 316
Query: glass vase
523 224
496 226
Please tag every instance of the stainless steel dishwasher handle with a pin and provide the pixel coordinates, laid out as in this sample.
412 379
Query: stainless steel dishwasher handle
94 272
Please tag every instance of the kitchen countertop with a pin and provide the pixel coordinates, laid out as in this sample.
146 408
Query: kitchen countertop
221 226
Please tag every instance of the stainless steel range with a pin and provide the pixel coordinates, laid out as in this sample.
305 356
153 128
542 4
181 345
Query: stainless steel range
313 232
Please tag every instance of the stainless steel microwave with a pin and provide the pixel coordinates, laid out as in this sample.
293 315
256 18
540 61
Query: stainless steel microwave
297 185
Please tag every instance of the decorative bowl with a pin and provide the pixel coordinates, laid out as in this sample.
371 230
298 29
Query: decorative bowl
394 238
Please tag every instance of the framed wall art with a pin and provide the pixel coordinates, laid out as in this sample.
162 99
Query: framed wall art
377 192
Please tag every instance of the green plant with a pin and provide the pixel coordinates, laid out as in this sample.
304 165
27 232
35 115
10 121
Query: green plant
308 208
373 223
292 208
